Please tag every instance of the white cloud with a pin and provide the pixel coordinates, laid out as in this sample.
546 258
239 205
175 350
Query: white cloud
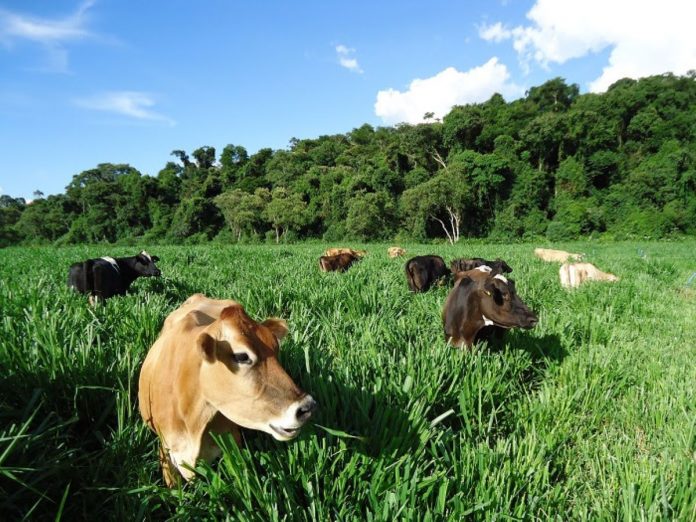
52 34
346 60
645 37
495 33
132 104
447 88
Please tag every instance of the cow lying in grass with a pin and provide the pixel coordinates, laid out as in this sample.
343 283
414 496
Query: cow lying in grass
393 252
340 250
464 265
574 274
214 369
483 302
422 272
557 256
337 263
106 277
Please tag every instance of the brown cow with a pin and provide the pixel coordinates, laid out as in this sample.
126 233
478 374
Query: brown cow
422 272
337 263
574 274
336 251
213 369
559 256
395 252
482 303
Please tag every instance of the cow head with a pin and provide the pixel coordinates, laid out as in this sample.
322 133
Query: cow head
241 377
501 306
145 265
501 266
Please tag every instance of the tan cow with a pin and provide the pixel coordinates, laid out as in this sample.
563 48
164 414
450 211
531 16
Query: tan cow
336 251
213 369
559 256
395 252
574 274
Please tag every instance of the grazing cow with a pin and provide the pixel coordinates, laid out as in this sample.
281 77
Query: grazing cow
464 265
336 251
558 256
105 277
337 263
574 274
424 271
482 303
214 369
395 252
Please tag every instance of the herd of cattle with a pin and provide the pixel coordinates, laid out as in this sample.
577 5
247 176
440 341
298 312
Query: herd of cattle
214 369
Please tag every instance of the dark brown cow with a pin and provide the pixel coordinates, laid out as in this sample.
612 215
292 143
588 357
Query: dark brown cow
464 265
424 271
337 263
480 304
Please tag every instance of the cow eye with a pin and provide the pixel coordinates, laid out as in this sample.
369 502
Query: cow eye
241 358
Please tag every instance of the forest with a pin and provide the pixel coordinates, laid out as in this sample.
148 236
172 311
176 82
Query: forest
555 164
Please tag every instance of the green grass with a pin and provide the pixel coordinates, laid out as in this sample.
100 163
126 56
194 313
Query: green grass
589 416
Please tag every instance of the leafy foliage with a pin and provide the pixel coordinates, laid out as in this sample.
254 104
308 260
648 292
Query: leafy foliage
554 163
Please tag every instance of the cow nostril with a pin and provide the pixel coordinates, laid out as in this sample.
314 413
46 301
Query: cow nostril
306 408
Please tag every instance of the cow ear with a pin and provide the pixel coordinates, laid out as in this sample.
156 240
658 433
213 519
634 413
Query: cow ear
465 281
206 345
278 326
155 258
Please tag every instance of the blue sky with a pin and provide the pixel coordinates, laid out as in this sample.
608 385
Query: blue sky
85 82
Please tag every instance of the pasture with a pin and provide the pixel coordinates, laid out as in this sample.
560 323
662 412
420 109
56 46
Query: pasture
591 415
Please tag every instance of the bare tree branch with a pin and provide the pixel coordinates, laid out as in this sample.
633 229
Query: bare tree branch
438 158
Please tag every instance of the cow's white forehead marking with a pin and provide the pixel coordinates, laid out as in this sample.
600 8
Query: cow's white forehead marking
149 258
112 262
487 321
484 268
501 277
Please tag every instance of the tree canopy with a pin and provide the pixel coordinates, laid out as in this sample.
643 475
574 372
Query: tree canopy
555 163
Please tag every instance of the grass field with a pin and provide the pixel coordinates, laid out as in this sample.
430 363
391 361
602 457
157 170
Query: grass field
589 416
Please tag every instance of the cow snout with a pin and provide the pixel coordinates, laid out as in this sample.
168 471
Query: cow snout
156 272
532 320
305 408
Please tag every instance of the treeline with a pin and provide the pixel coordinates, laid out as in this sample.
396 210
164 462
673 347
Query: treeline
554 164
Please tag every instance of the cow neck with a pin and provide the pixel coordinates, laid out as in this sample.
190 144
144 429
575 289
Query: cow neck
126 266
475 320
196 411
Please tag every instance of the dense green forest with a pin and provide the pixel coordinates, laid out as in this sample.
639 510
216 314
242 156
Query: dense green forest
553 164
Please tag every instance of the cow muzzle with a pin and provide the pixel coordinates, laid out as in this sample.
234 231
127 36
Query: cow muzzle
530 321
288 426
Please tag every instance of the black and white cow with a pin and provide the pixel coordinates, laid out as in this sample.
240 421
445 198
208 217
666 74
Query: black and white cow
463 265
105 277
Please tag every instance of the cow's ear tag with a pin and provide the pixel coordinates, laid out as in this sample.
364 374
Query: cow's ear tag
487 292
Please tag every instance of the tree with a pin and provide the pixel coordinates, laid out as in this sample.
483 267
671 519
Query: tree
370 216
554 95
183 157
462 126
241 209
11 210
44 220
442 200
204 156
285 211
